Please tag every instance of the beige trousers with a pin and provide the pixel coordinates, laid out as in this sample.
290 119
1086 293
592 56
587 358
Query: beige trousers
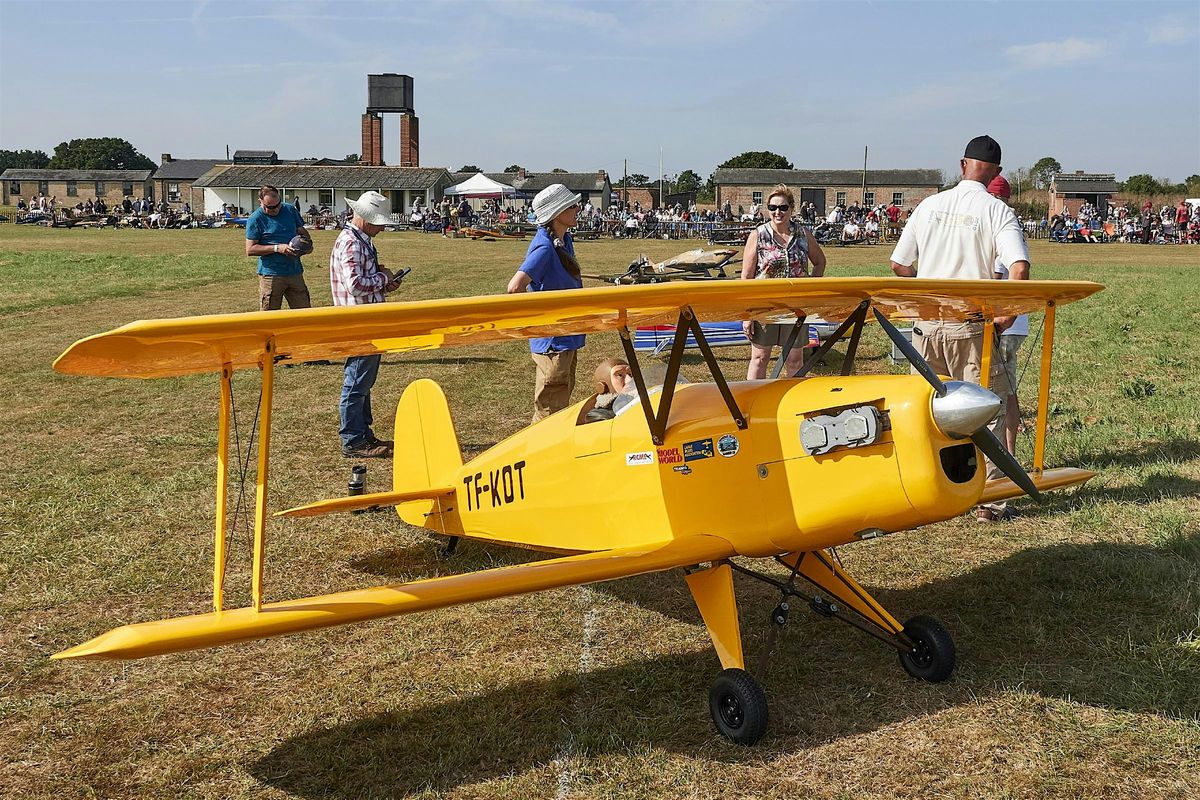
956 349
273 289
554 382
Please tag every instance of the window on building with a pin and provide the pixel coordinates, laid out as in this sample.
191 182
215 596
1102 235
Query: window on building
897 198
127 188
72 189
869 199
841 198
325 197
99 188
14 187
44 187
756 198
172 192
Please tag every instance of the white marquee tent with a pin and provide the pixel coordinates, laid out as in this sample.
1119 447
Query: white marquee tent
482 186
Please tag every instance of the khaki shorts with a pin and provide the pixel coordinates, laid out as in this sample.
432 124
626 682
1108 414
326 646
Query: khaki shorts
274 289
1009 345
776 334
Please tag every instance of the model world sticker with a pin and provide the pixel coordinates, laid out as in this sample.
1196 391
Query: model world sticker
644 457
669 455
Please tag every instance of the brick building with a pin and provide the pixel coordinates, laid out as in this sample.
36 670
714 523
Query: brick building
828 187
173 180
73 186
1072 190
317 185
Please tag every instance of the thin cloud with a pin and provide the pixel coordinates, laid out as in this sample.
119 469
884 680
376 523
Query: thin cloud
1173 30
1052 54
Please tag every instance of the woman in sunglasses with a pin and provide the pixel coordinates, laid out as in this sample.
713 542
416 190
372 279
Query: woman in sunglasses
779 248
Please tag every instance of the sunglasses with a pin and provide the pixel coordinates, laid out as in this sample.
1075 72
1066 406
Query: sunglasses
274 207
773 207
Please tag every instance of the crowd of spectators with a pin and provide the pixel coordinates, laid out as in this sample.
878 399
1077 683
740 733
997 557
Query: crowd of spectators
1127 223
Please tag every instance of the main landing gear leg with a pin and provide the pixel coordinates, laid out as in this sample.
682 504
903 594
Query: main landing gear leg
925 647
451 546
736 701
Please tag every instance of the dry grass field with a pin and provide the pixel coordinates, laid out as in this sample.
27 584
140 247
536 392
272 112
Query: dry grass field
1078 625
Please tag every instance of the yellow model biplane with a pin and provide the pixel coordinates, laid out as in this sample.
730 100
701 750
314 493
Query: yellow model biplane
783 469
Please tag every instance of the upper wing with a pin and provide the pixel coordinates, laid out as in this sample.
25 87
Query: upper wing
291 616
190 345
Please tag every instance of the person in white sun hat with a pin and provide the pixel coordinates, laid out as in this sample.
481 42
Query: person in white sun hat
549 266
357 278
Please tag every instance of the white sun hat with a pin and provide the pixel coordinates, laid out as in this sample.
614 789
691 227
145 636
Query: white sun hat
552 201
372 207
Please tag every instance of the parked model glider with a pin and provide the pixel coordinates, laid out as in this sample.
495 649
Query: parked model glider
711 471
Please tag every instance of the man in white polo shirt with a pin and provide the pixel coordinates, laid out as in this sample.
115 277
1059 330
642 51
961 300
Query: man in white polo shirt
959 234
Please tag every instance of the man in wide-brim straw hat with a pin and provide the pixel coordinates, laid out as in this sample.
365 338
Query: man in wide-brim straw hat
357 278
550 265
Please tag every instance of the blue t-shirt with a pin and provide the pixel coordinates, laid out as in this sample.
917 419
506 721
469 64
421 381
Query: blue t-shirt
279 229
547 274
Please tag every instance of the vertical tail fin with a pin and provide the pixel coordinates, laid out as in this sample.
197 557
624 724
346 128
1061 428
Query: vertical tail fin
426 452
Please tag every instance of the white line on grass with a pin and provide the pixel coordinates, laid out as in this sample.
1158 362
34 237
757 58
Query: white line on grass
566 751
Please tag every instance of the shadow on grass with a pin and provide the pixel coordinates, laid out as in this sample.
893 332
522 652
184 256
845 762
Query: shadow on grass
1142 454
443 360
1095 624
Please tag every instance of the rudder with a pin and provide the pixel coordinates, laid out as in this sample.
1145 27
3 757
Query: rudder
426 450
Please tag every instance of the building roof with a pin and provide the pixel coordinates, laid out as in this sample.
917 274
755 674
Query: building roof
828 177
186 168
534 182
76 174
292 176
254 154
1085 183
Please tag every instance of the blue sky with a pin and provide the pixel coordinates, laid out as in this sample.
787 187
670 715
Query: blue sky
1102 87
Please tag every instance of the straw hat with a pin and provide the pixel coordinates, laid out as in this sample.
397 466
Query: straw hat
372 207
552 201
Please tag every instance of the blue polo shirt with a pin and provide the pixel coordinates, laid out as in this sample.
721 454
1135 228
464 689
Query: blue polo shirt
546 274
279 229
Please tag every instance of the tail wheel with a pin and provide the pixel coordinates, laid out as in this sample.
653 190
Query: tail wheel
932 656
738 706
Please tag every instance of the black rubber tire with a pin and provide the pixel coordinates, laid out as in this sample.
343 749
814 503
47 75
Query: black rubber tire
933 658
738 706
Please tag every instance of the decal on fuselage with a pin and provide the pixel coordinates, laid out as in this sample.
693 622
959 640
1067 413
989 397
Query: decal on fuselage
669 455
504 485
701 448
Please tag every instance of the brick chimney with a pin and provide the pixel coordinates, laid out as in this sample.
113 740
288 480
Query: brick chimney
521 174
166 157
372 140
410 137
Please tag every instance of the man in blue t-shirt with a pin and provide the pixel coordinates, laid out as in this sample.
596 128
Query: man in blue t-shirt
269 232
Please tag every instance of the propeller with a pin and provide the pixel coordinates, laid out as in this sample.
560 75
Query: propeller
983 438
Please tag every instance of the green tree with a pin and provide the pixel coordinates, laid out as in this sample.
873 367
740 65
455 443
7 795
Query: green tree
513 168
757 159
470 168
1043 171
23 159
687 181
1192 185
559 171
105 153
1142 185
638 179
352 158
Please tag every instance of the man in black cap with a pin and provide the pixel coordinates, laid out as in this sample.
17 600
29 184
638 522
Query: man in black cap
959 234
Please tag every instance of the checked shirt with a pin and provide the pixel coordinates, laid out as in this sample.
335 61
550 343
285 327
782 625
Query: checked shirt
354 277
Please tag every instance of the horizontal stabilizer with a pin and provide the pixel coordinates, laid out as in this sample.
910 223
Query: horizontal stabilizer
359 501
1061 478
291 616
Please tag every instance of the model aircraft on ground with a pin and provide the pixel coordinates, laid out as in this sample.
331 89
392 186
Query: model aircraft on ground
711 472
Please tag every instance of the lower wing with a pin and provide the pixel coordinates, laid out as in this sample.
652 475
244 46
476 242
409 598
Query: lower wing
291 616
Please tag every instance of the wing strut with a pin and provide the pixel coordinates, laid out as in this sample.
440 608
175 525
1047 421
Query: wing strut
657 422
857 318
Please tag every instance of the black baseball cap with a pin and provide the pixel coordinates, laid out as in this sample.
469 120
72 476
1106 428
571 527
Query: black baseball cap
983 148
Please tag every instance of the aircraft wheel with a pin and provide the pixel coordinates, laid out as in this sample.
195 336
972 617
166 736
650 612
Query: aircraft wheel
738 706
932 659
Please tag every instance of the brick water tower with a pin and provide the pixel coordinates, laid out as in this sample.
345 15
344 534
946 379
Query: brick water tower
390 93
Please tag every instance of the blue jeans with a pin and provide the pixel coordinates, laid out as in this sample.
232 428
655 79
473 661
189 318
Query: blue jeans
356 399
